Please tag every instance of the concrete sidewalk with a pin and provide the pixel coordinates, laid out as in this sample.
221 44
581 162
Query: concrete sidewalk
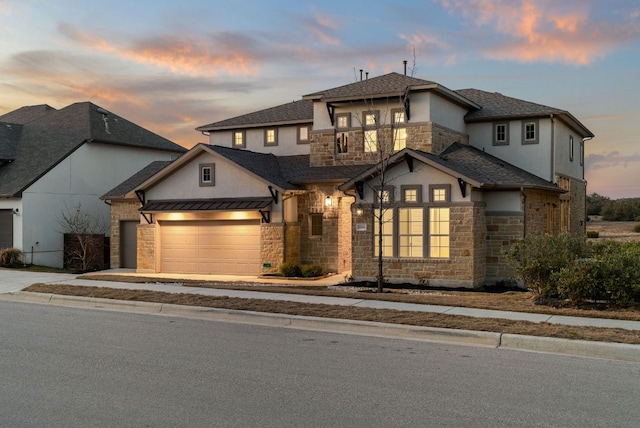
14 281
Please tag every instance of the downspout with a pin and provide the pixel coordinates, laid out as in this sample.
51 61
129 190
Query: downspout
553 149
524 212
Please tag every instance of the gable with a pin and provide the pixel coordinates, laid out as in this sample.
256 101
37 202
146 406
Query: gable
183 182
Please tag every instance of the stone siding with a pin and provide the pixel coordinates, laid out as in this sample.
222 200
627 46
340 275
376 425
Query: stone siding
502 232
426 137
464 267
329 249
120 211
272 246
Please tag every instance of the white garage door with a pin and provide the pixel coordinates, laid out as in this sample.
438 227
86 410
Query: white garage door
210 247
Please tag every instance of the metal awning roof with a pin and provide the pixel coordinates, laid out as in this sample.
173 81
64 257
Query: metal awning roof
220 204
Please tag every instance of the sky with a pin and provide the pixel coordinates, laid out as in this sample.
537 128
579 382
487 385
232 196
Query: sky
171 66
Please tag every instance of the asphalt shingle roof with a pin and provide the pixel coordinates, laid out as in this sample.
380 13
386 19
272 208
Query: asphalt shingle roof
387 84
293 112
495 105
9 137
287 172
48 136
486 169
135 180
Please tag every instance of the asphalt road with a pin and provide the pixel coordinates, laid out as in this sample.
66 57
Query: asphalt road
79 368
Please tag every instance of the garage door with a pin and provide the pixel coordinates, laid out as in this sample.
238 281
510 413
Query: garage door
6 228
128 244
210 247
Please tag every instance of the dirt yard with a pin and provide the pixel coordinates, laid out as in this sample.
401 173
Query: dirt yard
616 230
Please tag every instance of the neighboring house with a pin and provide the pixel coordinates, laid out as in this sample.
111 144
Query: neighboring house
471 172
55 160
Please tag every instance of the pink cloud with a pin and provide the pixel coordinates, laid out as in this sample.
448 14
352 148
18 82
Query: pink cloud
323 27
543 30
226 53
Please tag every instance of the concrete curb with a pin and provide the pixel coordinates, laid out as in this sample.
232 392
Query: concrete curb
582 348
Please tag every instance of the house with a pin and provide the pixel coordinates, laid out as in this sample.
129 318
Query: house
56 160
457 177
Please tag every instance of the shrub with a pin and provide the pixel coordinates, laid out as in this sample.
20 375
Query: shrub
312 270
593 234
290 269
636 228
10 257
538 256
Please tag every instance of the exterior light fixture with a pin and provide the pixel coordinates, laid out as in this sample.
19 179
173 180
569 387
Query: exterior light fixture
359 211
328 202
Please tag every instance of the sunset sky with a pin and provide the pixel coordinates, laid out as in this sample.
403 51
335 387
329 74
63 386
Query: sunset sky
171 66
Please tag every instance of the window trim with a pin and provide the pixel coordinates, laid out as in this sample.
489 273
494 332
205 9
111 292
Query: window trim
348 120
390 191
447 193
399 233
536 130
376 116
299 136
417 188
393 116
266 137
212 179
243 133
571 148
504 142
315 219
581 152
430 233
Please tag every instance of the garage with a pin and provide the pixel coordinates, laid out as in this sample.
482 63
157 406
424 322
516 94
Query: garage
6 228
223 247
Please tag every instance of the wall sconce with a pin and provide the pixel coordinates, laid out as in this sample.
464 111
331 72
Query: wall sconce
328 202
359 211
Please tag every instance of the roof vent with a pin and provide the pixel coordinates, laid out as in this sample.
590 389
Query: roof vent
105 118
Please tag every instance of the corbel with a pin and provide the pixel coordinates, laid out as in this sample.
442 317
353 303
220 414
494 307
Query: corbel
274 194
360 188
409 160
463 187
266 216
331 110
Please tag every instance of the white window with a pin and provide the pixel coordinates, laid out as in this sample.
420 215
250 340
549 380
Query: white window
271 137
410 232
206 174
303 135
500 134
342 120
399 131
530 132
571 148
370 141
439 239
386 231
239 139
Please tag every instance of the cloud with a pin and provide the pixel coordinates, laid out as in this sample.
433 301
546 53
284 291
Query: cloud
615 159
224 52
322 27
542 30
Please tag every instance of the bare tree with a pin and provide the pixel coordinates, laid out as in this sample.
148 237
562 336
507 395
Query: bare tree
383 135
85 231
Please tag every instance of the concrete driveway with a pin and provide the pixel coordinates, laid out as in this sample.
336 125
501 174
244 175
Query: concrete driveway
12 280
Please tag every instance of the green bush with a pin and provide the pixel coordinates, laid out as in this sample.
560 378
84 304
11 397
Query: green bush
593 234
312 270
10 257
636 228
538 256
290 269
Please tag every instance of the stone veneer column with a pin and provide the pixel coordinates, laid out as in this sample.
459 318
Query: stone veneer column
146 260
272 246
